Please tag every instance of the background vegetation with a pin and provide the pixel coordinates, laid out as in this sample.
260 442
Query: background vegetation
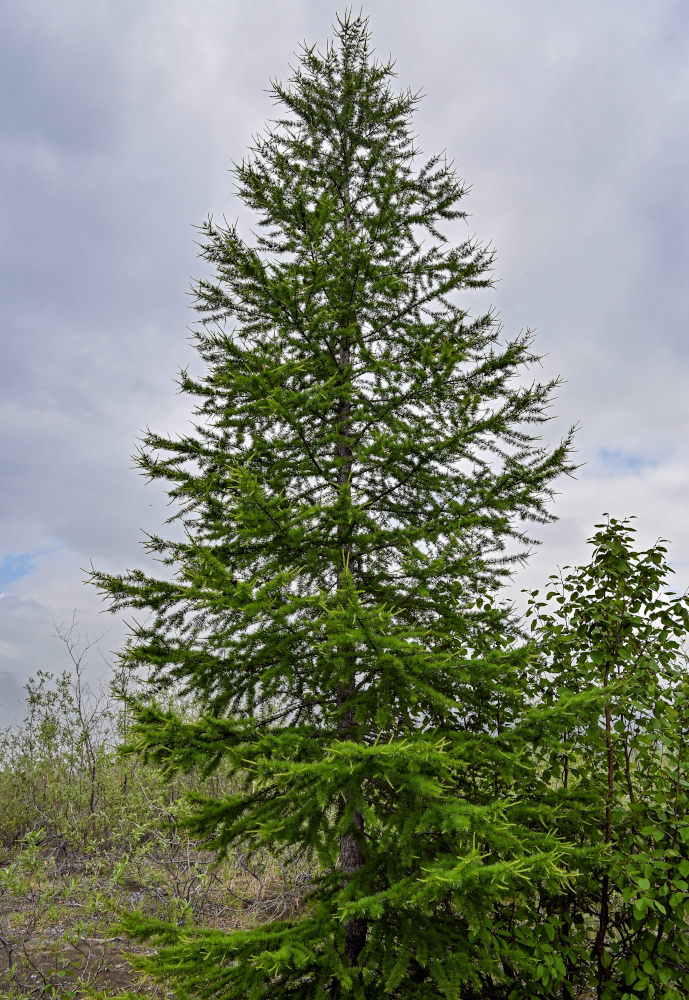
86 834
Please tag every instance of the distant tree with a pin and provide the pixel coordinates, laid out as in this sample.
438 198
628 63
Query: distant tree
360 484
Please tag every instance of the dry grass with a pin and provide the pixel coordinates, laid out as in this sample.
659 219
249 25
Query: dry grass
59 912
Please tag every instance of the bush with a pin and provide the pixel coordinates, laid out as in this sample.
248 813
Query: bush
614 673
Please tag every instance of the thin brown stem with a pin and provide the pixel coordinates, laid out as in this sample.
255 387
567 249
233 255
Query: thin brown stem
604 919
352 857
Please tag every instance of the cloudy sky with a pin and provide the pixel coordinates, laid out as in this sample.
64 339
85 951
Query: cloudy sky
119 123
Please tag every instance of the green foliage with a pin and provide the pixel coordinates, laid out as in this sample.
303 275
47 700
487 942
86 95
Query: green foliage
615 751
61 772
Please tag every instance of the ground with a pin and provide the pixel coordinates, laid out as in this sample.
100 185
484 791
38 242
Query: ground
59 911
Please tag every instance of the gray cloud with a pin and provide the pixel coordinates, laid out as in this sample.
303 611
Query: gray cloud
12 700
119 125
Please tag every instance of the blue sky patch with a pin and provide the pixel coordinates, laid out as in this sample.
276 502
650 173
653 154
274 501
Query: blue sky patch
618 461
15 567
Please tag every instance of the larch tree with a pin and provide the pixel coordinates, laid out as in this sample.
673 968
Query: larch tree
362 478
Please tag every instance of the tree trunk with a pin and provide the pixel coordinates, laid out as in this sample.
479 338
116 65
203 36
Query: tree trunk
351 860
351 856
603 972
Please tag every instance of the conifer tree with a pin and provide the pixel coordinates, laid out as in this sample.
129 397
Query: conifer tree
360 483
